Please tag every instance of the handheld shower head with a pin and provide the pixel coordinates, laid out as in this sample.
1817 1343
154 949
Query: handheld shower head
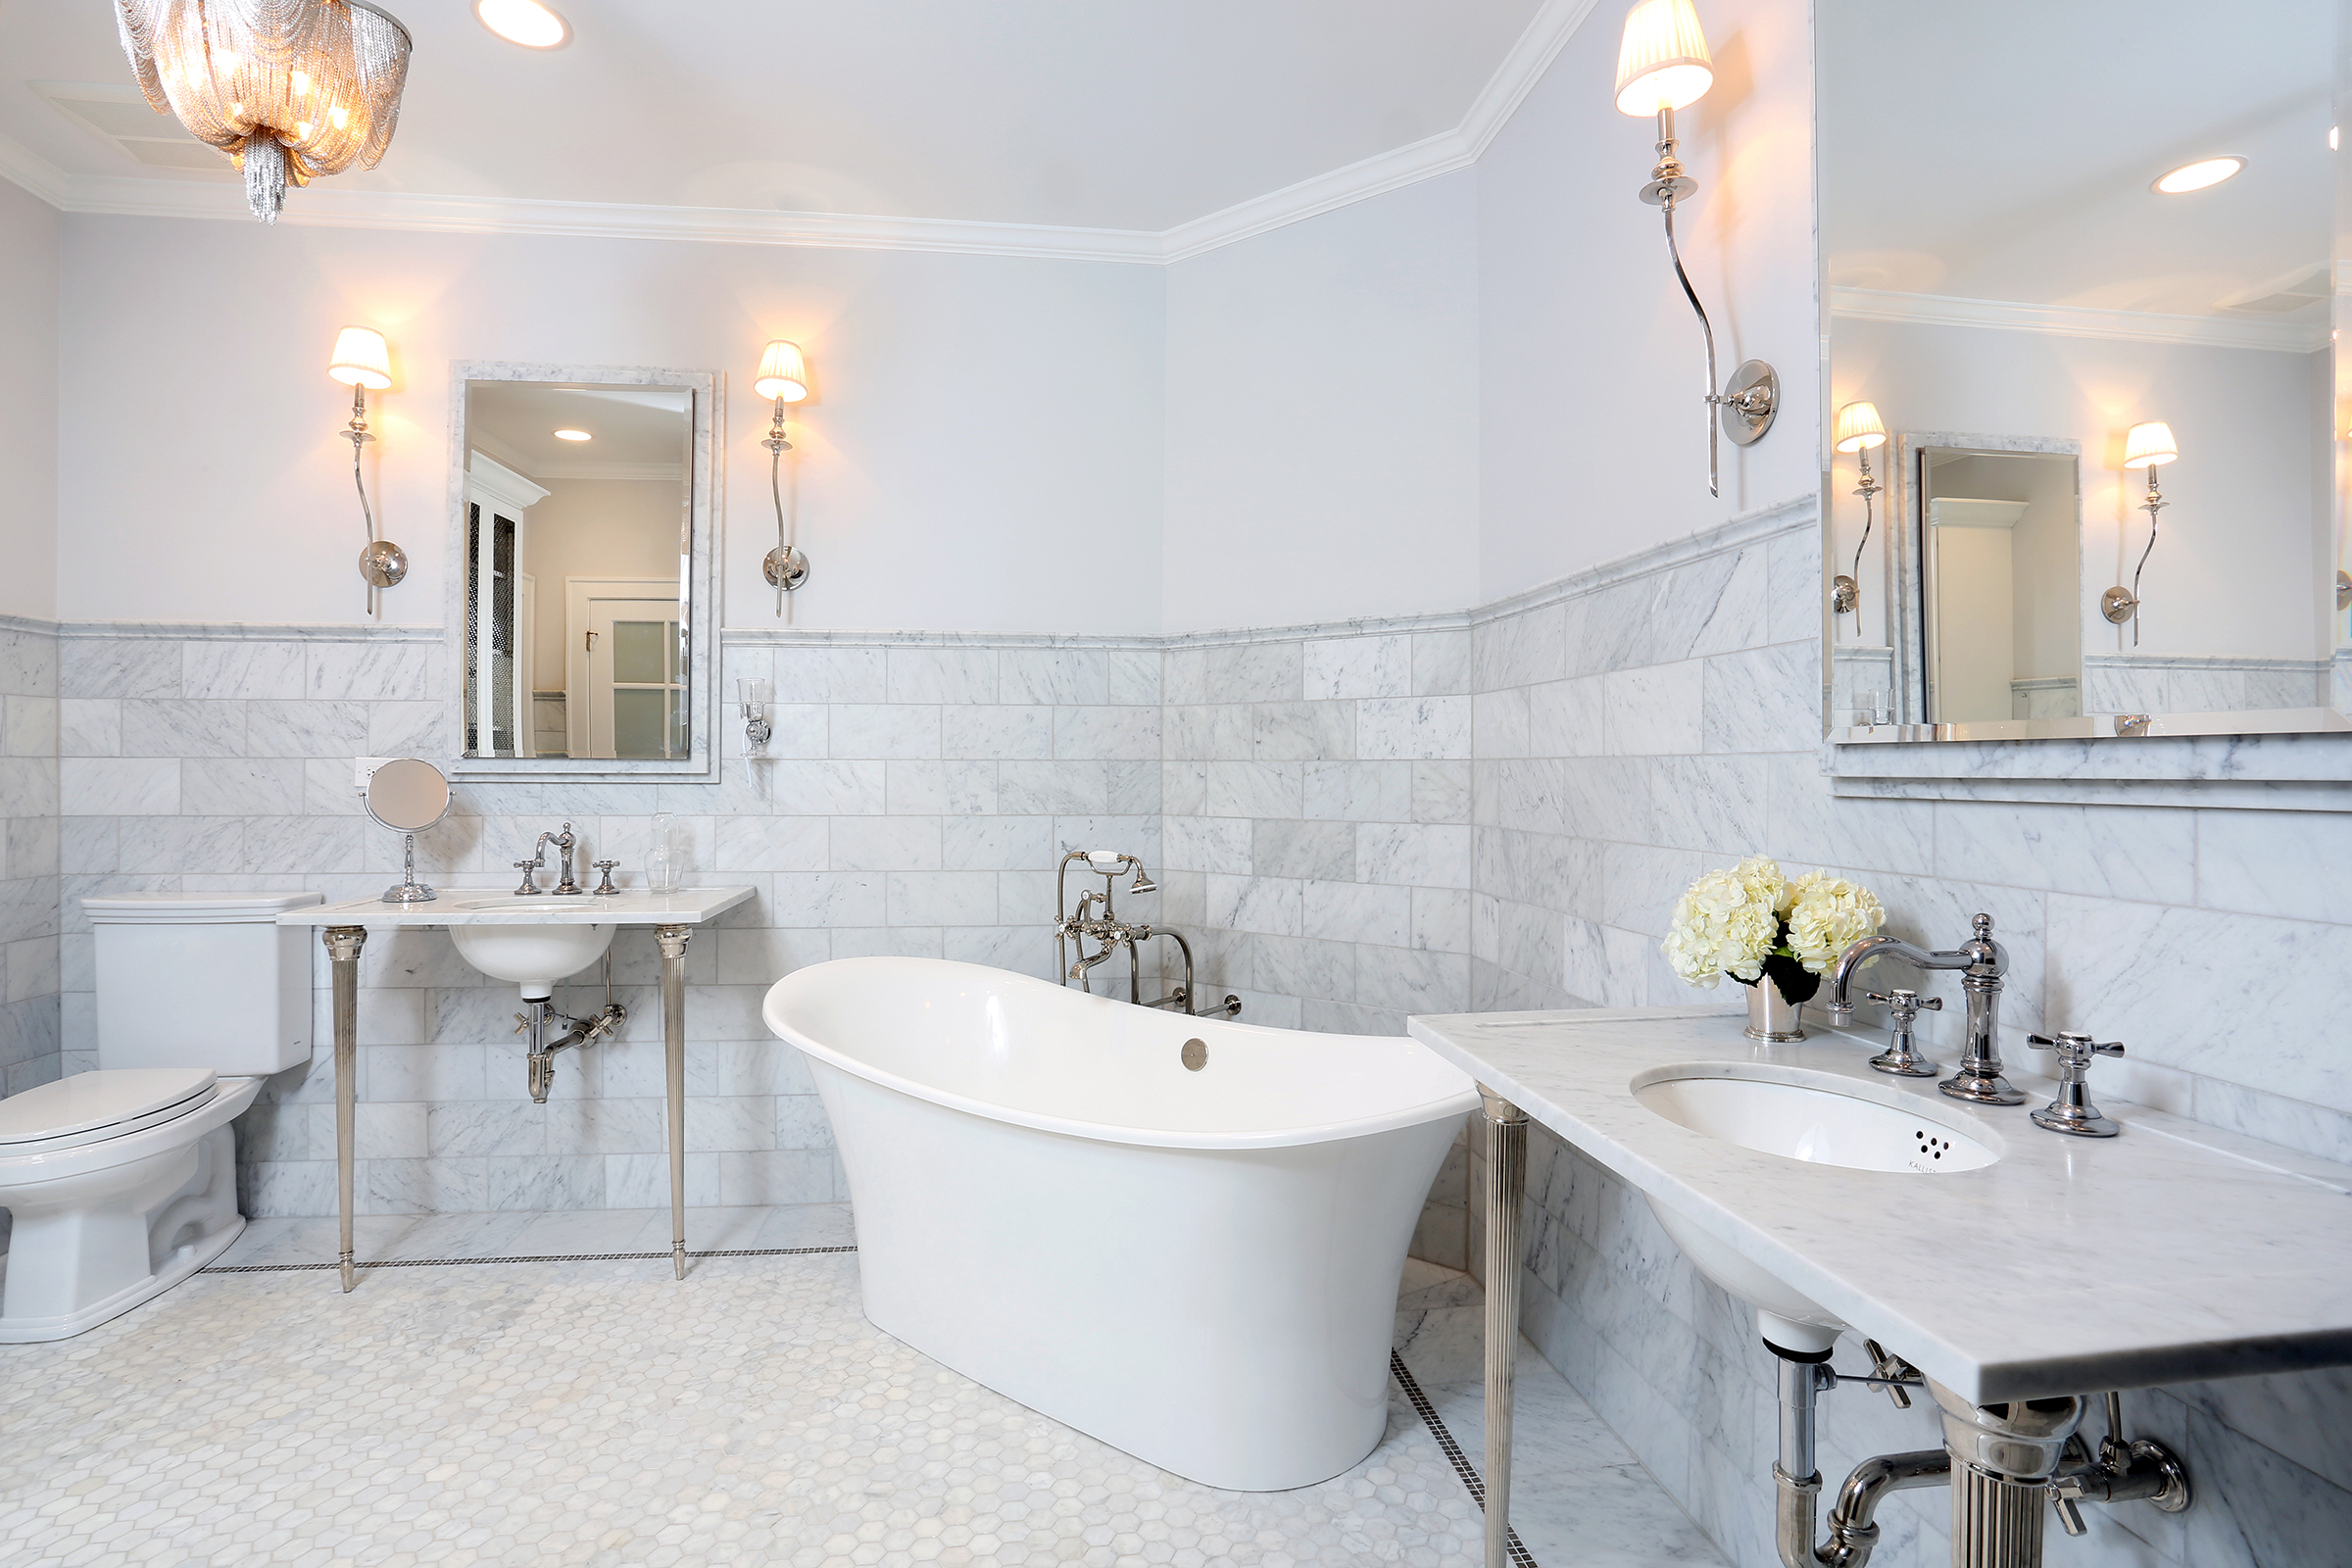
1143 882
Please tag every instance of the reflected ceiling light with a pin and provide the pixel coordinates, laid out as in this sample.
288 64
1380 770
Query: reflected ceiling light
573 435
2146 446
2199 175
363 361
2332 137
524 21
1858 429
783 376
286 93
1662 66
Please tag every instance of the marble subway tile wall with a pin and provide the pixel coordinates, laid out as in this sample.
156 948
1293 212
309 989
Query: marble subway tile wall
914 798
1659 718
1317 827
29 1033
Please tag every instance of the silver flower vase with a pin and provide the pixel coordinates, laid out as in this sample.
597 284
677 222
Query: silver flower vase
1772 1018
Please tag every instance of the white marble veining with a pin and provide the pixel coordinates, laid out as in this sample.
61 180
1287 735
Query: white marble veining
2242 1265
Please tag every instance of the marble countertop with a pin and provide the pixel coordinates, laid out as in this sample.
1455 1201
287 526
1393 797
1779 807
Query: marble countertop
2173 1253
456 907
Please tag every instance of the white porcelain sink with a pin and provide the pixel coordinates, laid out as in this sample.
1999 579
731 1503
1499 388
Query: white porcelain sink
534 957
1813 1116
1802 1116
526 900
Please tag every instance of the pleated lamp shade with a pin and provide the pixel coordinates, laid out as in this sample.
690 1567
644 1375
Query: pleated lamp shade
783 374
1859 426
1662 60
2147 445
360 359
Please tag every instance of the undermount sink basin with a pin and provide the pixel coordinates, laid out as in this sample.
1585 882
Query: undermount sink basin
1802 1116
526 900
1812 1116
534 957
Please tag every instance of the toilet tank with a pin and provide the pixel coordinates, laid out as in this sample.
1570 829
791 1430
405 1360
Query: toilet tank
202 980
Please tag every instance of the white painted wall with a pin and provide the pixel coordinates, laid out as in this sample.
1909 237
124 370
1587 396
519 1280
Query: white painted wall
29 316
982 450
1322 407
594 528
1592 439
2241 529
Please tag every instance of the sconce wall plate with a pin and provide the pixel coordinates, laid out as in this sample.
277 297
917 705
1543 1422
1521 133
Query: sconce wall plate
784 568
2344 589
1750 401
383 564
1846 594
2117 604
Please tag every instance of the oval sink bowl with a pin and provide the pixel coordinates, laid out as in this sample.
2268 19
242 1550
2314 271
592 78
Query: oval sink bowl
527 900
534 957
1817 1117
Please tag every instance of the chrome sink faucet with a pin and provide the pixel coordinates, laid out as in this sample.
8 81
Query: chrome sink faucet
563 841
1982 964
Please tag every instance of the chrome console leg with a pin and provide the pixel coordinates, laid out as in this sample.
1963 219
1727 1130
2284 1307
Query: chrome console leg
343 945
1506 1193
671 939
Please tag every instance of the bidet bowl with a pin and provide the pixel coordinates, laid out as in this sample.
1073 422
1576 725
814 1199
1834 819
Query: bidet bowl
1817 1117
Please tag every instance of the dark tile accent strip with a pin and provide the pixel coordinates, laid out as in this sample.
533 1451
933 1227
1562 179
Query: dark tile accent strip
546 1257
1452 1450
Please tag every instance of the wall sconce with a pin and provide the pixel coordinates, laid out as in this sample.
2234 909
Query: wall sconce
1858 430
362 362
785 377
2146 446
1662 66
753 695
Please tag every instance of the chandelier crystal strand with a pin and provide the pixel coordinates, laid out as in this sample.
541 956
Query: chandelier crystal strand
285 89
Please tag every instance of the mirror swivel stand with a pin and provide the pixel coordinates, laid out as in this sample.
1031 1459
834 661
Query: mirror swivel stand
409 890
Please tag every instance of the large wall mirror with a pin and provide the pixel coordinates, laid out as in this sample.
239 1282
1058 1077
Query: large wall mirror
581 597
2028 324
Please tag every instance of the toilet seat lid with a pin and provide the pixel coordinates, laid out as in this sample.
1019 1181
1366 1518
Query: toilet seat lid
93 1102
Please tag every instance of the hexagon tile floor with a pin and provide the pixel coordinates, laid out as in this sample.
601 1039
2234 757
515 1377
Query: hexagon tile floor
601 1413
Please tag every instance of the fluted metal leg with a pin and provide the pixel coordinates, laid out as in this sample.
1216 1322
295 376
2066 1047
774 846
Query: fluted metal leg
343 945
672 942
1507 1192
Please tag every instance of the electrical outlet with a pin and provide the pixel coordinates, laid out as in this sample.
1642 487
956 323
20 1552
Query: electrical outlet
364 768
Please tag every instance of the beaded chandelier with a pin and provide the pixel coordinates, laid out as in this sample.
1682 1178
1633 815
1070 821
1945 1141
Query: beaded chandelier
286 89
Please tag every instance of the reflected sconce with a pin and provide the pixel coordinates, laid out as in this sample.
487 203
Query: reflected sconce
362 362
1662 66
2146 446
784 377
1857 430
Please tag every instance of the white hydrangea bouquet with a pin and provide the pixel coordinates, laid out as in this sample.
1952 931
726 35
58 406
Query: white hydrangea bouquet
1773 935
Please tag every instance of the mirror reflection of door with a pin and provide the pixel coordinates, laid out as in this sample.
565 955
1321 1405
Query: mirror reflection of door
628 681
2001 579
591 482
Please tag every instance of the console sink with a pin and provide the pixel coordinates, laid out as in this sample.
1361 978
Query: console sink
1801 1114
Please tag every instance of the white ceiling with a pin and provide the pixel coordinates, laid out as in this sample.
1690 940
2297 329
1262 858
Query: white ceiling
2003 149
1118 114
635 432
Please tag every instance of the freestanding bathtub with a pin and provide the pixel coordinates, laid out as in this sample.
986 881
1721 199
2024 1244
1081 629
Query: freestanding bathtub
1199 1266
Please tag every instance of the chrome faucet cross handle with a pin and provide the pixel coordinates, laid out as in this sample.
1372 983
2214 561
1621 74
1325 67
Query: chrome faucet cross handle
605 888
1901 1058
2072 1112
526 867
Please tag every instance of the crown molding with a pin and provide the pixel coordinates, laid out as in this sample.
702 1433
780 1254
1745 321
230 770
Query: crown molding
339 207
2075 320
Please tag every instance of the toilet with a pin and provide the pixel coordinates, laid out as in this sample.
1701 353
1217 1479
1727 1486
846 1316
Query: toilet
122 1182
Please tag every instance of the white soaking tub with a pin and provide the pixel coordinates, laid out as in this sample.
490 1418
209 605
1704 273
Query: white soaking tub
1196 1266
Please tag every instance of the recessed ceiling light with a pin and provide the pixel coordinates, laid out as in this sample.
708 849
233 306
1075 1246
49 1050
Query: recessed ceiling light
2199 174
524 21
573 435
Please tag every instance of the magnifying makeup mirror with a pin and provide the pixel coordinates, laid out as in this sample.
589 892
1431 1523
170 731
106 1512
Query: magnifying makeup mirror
408 796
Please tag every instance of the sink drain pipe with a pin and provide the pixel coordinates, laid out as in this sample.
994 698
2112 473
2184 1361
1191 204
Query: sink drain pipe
1796 1478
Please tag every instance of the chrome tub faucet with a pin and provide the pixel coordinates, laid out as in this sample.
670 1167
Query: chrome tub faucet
1982 964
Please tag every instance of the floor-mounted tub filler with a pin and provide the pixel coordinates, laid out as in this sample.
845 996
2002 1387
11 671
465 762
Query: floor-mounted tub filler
1183 1236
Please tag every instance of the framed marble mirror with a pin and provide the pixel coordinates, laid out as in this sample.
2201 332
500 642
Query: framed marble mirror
2090 236
582 593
